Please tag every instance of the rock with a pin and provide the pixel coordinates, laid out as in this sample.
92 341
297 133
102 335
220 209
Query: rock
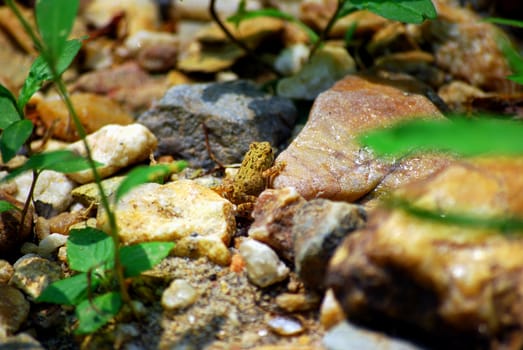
21 341
452 281
273 215
94 111
115 147
319 227
325 160
331 313
51 244
52 188
33 274
199 9
89 194
285 325
348 336
128 84
14 309
324 68
263 266
234 113
195 217
292 302
457 36
6 271
179 295
154 51
12 236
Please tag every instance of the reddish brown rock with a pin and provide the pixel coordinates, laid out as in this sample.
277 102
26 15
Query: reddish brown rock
94 111
326 161
273 215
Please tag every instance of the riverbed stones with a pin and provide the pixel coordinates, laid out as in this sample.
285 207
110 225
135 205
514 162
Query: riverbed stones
230 114
32 274
263 265
179 295
116 147
197 219
14 309
319 227
326 161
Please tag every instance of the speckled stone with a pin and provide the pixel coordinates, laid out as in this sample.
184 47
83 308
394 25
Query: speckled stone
14 309
33 274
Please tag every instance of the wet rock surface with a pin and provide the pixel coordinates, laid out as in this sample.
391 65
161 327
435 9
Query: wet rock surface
232 113
325 160
446 279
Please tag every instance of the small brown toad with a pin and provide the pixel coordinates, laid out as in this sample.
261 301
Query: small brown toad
252 178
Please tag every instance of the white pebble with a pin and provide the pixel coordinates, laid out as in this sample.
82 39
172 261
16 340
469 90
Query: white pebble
180 294
263 265
51 243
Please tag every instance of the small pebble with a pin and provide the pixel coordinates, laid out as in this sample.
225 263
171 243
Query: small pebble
180 294
263 265
297 302
331 312
286 326
51 243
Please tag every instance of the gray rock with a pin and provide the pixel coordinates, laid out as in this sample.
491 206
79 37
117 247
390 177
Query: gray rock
348 336
234 113
319 227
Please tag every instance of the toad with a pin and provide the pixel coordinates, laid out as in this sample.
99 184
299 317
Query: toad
254 175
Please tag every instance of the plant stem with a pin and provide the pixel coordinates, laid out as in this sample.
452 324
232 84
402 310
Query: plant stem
239 43
325 32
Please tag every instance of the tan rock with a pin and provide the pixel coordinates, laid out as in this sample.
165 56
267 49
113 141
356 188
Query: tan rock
325 160
444 278
263 265
331 312
197 219
116 147
32 274
94 111
14 309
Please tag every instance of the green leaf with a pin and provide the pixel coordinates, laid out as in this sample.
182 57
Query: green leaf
55 19
143 174
513 57
503 224
140 175
6 206
39 72
69 291
63 161
467 137
144 256
408 11
274 13
13 137
505 21
8 112
88 248
95 313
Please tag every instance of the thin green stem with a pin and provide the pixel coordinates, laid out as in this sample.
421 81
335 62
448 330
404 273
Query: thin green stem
325 32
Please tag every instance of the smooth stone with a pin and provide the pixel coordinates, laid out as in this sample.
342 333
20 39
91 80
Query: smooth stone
93 111
51 243
285 325
348 336
179 295
325 67
239 112
273 215
326 161
14 309
292 302
20 341
32 274
116 147
263 265
319 227
6 271
52 188
197 219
